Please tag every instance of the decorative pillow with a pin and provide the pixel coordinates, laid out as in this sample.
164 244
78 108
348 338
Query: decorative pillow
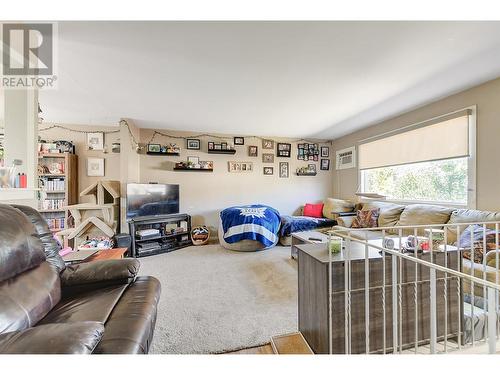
366 219
477 240
336 205
313 210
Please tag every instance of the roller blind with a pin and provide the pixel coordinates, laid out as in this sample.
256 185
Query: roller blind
443 140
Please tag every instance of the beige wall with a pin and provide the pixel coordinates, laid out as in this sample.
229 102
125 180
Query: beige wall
487 99
204 194
111 162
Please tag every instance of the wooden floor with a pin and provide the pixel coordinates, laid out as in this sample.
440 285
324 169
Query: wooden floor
264 349
293 343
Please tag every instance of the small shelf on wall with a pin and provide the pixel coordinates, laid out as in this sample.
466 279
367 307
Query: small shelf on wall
192 169
163 153
306 174
227 152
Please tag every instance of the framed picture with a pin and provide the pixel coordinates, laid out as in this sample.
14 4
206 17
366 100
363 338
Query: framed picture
311 167
153 147
223 146
268 171
238 166
253 151
268 158
284 169
284 150
217 146
325 152
267 144
195 160
325 164
211 146
239 141
95 167
95 141
193 144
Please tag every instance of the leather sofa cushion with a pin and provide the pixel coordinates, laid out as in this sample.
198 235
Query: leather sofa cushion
95 305
28 297
70 338
415 214
336 205
50 245
468 216
130 326
20 247
389 212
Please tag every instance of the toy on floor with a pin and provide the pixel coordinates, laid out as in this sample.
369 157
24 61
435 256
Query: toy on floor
200 235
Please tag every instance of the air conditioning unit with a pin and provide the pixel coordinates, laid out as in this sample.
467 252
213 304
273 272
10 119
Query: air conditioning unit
346 158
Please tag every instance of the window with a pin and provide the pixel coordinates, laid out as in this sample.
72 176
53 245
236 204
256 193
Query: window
429 162
433 181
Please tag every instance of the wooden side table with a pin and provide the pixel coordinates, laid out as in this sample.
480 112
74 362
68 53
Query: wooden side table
117 253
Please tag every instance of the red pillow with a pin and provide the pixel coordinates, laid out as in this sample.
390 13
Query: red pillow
313 210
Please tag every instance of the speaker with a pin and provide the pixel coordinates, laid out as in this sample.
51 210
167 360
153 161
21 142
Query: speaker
124 240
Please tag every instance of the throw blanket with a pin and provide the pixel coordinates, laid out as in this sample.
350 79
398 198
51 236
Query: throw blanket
292 224
253 222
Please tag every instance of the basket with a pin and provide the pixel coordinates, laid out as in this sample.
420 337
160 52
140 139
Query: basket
200 235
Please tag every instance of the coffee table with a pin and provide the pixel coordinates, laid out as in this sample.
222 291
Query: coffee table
307 237
117 253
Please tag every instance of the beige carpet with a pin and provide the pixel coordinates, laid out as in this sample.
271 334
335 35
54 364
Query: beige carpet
215 300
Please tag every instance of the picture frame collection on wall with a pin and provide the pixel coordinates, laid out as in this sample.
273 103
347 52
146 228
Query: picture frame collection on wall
305 152
308 151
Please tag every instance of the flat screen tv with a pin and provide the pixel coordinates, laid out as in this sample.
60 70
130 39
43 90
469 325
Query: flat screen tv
152 200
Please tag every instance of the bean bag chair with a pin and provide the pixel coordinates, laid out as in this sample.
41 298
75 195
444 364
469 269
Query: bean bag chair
249 228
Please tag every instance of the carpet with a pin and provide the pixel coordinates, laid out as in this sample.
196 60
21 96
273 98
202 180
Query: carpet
215 300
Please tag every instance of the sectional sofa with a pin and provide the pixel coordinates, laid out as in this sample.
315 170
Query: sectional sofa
393 215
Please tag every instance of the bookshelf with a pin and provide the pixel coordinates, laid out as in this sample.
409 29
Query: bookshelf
58 185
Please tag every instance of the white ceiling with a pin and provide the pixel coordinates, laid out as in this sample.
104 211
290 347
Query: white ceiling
297 79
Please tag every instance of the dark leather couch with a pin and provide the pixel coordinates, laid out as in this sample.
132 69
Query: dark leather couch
47 307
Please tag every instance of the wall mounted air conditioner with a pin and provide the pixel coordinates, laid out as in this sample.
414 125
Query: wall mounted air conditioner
346 158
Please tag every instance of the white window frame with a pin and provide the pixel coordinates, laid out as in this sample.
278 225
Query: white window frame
471 161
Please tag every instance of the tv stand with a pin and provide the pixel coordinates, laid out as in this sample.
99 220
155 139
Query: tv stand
174 233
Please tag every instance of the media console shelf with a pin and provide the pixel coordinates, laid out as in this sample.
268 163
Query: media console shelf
174 232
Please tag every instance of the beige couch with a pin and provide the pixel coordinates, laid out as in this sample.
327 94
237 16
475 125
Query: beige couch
415 214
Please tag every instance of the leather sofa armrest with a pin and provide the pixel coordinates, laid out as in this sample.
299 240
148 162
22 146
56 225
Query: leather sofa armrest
92 275
58 338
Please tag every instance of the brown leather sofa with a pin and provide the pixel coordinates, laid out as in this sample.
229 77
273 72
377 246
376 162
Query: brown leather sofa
47 307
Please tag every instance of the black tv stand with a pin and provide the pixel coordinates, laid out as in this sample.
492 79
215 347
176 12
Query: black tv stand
174 233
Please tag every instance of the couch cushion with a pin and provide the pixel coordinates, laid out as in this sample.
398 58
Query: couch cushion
69 338
130 327
20 247
28 297
416 214
366 218
336 205
95 305
313 210
50 245
389 212
468 216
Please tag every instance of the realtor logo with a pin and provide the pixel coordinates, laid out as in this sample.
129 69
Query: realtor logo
28 55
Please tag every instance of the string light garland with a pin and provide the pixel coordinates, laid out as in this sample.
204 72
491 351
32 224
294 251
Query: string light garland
135 144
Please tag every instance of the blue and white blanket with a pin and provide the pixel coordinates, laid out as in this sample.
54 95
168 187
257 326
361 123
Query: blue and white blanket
253 222
292 224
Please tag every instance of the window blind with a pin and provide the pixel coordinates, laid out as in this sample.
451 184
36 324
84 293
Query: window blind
443 140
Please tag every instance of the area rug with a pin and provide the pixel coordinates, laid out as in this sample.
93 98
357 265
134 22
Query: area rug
215 300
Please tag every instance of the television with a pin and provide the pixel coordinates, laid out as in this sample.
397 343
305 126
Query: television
152 200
